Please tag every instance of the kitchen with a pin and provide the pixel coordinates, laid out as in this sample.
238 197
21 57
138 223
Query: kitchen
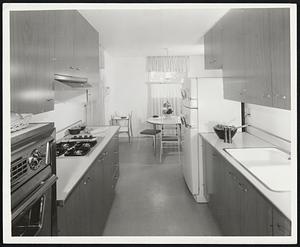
226 76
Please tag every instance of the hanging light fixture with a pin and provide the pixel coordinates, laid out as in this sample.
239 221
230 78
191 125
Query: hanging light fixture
168 75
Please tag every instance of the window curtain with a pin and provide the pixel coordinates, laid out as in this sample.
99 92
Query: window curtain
167 64
169 90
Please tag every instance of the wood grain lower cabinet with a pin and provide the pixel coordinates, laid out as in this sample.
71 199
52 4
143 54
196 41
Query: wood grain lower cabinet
74 218
31 61
239 208
281 225
86 210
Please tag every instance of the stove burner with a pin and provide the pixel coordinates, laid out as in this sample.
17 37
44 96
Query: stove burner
83 137
74 148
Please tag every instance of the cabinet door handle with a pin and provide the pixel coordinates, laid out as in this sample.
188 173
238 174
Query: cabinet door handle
49 100
77 68
71 67
283 97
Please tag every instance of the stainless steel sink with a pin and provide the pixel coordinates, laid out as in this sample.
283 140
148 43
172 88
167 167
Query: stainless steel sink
271 166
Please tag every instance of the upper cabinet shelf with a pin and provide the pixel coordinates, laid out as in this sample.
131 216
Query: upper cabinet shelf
252 46
44 43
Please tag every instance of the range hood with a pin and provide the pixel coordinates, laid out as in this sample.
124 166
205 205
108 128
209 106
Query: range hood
73 81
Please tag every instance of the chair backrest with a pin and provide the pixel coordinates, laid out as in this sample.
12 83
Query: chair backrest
122 120
170 129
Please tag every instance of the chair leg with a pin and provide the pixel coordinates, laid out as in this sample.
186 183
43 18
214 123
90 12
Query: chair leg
161 150
128 137
154 144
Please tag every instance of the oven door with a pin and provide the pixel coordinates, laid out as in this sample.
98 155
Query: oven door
33 216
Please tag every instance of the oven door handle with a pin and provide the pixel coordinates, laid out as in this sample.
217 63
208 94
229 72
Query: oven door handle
44 186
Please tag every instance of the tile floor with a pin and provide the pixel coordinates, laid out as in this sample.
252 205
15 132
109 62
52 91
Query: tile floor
152 198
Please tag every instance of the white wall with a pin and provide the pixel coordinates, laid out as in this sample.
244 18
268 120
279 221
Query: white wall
274 120
128 91
68 108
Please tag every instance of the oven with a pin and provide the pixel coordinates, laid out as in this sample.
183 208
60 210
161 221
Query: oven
33 181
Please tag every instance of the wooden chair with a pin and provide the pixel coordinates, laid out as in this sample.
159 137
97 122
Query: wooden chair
125 123
170 137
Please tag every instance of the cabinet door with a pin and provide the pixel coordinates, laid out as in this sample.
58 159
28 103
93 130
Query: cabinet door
280 57
97 207
208 50
74 216
217 53
31 59
258 57
216 187
233 46
82 38
108 180
281 224
256 217
232 203
64 41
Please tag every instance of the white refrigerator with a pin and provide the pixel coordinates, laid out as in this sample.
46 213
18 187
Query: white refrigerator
203 106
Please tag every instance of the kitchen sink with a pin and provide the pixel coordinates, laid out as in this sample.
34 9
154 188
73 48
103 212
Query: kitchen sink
271 166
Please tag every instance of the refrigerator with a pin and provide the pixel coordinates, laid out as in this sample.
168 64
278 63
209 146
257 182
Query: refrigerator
203 106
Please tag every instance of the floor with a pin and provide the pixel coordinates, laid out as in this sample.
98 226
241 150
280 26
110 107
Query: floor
152 198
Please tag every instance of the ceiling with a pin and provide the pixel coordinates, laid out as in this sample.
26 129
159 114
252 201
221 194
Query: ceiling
147 32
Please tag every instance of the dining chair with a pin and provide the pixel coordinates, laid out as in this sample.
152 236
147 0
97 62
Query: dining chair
170 138
125 123
153 133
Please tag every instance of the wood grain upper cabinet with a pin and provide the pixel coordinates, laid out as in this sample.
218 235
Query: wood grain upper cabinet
31 61
76 46
64 41
217 52
81 45
213 47
208 50
233 46
280 57
258 57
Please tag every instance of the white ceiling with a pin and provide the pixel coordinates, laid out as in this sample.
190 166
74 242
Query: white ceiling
147 32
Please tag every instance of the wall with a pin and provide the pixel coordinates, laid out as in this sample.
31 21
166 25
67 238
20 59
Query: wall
69 107
128 91
273 120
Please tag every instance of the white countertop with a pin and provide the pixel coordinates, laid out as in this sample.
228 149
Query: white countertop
281 200
71 169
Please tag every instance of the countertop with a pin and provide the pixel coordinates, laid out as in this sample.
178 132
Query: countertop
71 169
281 200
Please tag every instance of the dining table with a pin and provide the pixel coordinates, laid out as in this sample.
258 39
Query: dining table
165 120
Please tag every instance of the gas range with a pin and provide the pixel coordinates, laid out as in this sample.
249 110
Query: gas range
75 145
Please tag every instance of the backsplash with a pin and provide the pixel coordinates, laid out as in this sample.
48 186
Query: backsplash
270 124
65 113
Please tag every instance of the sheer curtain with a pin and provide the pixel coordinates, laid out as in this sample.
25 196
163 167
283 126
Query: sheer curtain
165 77
160 93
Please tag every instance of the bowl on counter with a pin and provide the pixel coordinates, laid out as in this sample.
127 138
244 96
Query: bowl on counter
220 130
74 130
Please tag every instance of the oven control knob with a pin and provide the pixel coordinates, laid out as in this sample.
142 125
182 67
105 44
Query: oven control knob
36 153
33 163
35 159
